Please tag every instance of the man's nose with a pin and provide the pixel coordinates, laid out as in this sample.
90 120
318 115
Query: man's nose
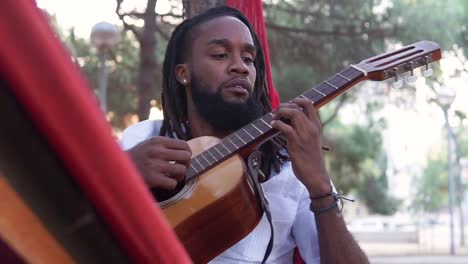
238 66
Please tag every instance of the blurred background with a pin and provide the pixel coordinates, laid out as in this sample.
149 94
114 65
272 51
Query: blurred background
401 152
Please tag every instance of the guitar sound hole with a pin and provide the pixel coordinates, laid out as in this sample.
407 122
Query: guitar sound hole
162 195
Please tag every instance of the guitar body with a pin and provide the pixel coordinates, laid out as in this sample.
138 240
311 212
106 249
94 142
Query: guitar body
214 210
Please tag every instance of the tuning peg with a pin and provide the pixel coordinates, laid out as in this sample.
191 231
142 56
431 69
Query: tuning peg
411 78
398 83
428 71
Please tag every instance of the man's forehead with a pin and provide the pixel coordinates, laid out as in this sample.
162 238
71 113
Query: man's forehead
222 30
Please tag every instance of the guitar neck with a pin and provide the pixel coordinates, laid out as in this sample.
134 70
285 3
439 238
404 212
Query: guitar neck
260 130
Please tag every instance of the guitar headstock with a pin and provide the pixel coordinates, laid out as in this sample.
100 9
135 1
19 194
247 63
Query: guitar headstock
406 59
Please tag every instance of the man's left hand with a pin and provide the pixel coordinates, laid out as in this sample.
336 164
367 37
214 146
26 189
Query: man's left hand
303 132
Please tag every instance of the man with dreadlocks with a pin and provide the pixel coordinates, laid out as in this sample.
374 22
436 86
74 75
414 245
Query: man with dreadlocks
213 84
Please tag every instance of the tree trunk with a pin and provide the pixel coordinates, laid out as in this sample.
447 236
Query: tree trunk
146 84
195 7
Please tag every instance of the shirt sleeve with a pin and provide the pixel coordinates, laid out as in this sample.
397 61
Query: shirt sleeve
304 231
139 132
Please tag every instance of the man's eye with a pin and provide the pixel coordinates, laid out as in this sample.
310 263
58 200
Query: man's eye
248 60
219 56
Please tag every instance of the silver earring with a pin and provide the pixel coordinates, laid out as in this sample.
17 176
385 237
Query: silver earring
184 81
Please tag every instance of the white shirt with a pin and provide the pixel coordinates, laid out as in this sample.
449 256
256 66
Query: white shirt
293 222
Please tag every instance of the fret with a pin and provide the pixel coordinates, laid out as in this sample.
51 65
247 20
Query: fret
202 160
209 152
207 161
240 138
198 162
193 168
220 154
302 96
257 128
326 89
260 124
252 131
326 82
247 132
268 125
344 77
269 117
318 91
228 151
313 96
230 141
340 82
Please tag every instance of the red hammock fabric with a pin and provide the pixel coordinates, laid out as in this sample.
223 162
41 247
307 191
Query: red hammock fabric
56 97
253 10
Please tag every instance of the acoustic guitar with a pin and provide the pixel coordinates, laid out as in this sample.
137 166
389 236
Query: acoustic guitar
218 205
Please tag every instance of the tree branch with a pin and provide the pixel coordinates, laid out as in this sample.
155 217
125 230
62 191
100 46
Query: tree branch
133 14
127 26
351 31
168 23
170 14
290 11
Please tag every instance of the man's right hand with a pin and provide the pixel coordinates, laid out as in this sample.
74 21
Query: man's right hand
162 161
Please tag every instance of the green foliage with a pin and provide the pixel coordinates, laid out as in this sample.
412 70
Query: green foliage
376 197
321 37
358 162
440 21
461 134
431 187
121 68
352 146
295 78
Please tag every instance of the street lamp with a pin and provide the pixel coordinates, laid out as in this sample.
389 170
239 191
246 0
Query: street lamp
445 98
104 36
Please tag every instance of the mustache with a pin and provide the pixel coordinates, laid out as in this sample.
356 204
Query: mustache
237 81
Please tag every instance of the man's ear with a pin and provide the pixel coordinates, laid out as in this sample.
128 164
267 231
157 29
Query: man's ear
183 73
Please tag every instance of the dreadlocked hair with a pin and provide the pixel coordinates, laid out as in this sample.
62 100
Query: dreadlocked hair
174 101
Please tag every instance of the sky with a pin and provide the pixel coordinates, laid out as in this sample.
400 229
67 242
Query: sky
81 14
411 134
84 14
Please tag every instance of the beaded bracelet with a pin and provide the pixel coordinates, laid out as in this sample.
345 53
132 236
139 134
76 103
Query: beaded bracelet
337 202
324 209
329 193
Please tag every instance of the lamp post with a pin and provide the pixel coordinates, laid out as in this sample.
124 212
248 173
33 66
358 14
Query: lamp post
104 36
445 98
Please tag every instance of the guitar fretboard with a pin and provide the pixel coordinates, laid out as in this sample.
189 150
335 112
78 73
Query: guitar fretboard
255 132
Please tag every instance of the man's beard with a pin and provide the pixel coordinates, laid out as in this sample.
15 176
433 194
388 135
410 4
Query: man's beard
222 115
